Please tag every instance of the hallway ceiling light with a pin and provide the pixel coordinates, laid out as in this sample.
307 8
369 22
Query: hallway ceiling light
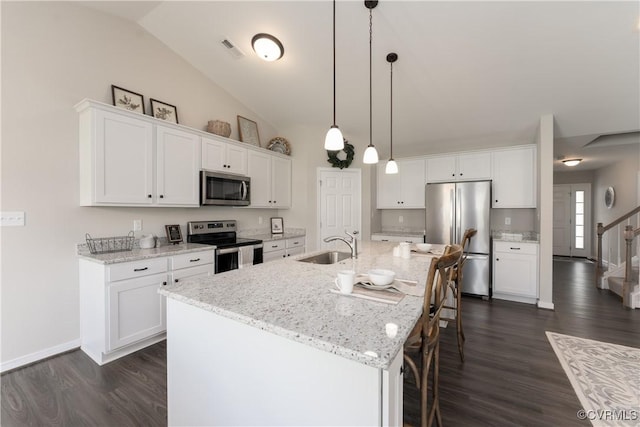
571 162
267 47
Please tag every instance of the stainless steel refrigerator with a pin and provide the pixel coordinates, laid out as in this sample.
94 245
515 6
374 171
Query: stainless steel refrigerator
453 207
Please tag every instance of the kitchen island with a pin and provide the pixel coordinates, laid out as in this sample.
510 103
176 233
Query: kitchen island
271 345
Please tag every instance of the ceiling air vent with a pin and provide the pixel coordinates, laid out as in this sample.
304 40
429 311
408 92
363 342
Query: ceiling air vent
232 49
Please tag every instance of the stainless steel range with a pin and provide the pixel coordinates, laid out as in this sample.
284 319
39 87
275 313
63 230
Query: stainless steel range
232 252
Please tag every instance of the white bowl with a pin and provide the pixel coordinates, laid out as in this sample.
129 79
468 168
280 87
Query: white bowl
147 242
380 277
424 247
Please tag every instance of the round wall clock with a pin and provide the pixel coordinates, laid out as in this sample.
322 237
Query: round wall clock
609 197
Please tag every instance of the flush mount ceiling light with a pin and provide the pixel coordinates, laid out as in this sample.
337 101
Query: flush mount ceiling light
267 47
571 162
392 166
334 140
370 154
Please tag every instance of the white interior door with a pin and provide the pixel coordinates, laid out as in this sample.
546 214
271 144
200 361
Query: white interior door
339 193
562 220
572 228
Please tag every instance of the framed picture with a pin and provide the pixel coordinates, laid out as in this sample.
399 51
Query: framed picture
174 233
277 225
163 111
127 99
248 130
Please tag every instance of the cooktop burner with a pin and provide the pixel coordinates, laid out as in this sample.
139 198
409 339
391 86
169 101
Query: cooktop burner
219 233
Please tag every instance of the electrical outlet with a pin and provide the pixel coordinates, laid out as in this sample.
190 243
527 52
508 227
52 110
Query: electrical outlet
507 220
13 219
400 219
137 224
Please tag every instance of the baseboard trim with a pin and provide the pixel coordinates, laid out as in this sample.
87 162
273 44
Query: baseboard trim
39 355
546 305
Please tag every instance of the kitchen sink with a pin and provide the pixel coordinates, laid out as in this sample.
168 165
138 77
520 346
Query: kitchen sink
327 257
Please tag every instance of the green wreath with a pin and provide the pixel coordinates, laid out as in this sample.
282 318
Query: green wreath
336 162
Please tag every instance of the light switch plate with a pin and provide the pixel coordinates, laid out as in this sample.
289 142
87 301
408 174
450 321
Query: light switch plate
137 224
12 219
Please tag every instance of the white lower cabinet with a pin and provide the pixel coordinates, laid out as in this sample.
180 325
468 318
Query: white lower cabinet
120 308
515 271
278 249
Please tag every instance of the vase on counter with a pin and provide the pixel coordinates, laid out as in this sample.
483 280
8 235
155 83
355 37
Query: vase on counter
219 127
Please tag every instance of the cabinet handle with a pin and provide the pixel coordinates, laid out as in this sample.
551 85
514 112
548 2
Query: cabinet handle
496 200
194 260
164 283
497 259
385 240
162 196
461 174
140 269
176 280
515 249
274 246
453 174
149 196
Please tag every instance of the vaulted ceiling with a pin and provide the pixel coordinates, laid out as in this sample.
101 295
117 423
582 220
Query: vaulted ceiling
469 74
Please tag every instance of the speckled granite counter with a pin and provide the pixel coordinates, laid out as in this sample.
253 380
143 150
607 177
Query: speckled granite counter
514 236
266 236
138 254
292 299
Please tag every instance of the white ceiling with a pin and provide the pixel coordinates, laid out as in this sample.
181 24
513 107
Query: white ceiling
469 74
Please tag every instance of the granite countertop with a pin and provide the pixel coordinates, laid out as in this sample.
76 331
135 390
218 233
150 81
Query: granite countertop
515 236
139 254
298 305
266 236
399 233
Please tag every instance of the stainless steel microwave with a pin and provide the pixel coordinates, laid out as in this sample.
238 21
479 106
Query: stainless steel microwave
224 189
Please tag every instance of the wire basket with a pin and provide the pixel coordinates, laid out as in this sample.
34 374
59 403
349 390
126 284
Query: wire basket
103 245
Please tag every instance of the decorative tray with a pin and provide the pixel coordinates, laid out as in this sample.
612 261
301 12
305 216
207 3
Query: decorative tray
279 145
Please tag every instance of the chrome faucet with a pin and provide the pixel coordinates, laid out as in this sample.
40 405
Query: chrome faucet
352 242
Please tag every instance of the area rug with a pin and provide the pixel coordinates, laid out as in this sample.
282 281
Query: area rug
605 377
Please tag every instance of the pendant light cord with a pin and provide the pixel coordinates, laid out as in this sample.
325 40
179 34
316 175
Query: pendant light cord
334 62
370 84
391 115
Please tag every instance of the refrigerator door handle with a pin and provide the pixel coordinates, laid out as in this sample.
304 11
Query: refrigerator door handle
452 201
458 236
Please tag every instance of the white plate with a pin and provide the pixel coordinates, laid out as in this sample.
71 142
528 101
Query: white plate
279 145
369 285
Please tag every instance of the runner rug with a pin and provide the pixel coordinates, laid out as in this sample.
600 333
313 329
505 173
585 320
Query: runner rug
605 377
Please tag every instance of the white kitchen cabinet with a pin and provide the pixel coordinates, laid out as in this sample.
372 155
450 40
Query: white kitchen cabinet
178 161
404 190
129 159
223 157
278 249
471 166
514 177
515 271
378 237
120 308
270 180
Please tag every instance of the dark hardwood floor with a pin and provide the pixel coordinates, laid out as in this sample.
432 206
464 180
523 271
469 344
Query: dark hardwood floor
510 377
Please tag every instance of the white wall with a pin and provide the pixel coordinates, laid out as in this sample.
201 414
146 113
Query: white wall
54 55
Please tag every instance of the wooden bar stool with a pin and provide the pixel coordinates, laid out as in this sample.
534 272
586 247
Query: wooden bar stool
424 339
456 287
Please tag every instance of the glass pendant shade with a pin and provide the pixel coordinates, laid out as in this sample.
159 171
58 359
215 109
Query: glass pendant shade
334 140
370 155
392 167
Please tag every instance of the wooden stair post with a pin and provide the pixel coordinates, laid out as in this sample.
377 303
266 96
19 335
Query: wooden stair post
599 272
626 284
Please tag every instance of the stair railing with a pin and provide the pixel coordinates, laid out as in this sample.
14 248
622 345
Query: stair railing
601 229
629 234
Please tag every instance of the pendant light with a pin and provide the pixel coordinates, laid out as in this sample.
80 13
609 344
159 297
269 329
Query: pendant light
334 140
370 154
392 166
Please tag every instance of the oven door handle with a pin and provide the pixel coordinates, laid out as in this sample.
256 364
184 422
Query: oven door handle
227 251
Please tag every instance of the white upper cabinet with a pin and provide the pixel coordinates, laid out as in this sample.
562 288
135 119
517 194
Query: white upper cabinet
178 160
223 157
459 167
270 180
514 177
127 159
404 190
